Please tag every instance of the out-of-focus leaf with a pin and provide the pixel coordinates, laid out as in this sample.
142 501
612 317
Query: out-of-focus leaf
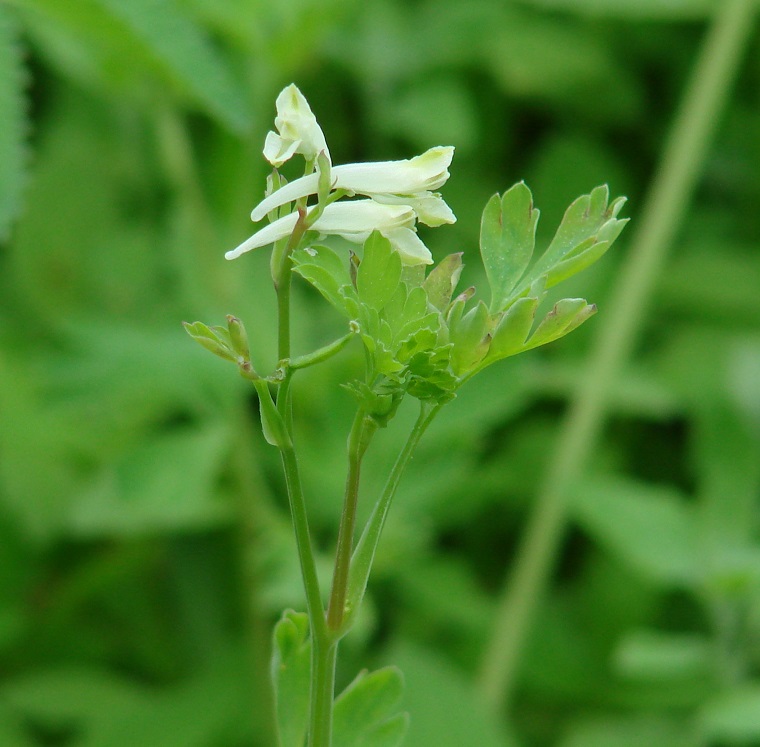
366 711
433 110
744 380
445 709
733 716
12 123
632 731
164 484
648 527
92 38
108 711
665 10
187 55
650 655
291 656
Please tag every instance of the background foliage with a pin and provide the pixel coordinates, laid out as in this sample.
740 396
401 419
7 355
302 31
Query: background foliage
145 549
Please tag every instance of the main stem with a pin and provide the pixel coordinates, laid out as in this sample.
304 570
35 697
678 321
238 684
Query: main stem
323 645
665 206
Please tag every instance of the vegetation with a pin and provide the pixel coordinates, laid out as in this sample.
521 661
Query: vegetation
572 555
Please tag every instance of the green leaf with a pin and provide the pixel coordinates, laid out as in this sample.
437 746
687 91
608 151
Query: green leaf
567 315
12 123
442 281
445 709
650 528
588 220
165 482
586 253
733 716
644 10
469 335
513 329
366 711
507 238
291 662
272 425
630 731
184 51
379 272
657 655
325 270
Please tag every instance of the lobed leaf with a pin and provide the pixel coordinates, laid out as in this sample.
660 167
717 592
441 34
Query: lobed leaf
513 329
507 239
469 336
587 221
365 712
379 272
567 315
326 271
442 280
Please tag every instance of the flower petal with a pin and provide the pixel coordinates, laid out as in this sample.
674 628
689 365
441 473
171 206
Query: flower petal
298 129
406 177
406 242
353 220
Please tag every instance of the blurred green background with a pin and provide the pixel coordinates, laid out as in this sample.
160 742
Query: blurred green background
145 546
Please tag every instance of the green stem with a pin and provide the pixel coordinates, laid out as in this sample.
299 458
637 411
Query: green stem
362 430
324 654
303 539
364 554
666 203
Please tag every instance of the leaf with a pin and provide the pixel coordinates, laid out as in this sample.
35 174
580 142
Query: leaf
365 712
513 329
657 655
630 731
12 123
164 483
507 238
587 221
291 657
733 716
442 281
567 315
325 270
469 336
648 527
185 52
664 10
445 708
379 272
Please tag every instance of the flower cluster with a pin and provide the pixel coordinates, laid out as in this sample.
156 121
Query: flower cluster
399 193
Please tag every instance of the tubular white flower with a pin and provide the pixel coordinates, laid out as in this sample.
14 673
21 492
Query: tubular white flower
355 221
297 130
429 207
413 178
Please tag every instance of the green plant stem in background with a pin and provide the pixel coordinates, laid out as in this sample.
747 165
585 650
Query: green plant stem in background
663 212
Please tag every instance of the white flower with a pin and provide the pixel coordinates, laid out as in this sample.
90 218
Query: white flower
297 127
355 221
403 182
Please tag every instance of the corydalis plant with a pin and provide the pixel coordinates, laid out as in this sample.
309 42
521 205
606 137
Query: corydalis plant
420 337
